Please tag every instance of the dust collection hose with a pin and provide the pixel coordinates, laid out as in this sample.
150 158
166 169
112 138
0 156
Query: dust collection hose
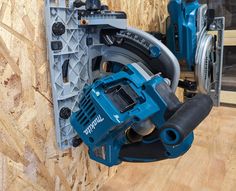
186 119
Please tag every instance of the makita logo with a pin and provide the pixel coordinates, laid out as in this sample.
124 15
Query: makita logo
93 125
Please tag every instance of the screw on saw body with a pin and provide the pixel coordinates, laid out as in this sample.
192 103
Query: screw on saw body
58 28
65 113
154 51
84 22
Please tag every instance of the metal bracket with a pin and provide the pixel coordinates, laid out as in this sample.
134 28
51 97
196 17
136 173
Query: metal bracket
219 26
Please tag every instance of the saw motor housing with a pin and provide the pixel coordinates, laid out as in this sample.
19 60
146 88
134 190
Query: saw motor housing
128 116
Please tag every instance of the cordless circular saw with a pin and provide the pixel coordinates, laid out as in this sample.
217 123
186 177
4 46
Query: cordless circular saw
191 36
113 87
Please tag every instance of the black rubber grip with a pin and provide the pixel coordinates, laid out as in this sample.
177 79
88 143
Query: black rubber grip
186 119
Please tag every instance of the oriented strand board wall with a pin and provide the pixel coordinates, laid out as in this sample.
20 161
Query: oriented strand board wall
29 157
148 15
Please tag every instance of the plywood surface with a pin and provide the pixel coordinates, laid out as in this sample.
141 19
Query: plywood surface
210 165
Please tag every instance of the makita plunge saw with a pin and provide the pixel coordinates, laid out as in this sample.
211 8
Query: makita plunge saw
196 37
113 87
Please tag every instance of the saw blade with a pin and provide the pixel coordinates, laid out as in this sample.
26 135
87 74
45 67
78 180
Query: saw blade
205 63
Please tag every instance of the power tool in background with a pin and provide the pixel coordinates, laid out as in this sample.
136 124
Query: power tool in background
113 87
198 51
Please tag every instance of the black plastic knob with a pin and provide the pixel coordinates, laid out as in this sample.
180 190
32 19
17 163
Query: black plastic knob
65 113
76 142
58 28
93 5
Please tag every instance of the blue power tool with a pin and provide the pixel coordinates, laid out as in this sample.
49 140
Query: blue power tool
182 31
134 116
198 51
113 87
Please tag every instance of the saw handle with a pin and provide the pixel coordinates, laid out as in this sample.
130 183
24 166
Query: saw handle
186 119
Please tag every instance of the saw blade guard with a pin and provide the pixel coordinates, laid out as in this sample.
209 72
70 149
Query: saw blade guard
132 46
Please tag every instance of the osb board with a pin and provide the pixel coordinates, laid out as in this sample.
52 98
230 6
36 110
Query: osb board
210 165
148 15
29 157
